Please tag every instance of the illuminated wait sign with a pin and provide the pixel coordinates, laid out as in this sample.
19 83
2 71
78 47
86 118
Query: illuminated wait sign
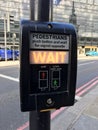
48 57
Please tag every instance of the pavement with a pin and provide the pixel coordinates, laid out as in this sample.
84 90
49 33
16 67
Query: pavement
87 57
82 116
9 63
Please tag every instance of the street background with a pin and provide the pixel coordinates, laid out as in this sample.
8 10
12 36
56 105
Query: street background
82 116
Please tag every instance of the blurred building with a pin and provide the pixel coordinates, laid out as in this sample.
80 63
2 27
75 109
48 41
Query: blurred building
11 11
86 24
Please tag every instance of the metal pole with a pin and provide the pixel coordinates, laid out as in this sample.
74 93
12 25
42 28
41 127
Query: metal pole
39 120
51 11
14 37
13 50
32 9
5 37
39 10
43 10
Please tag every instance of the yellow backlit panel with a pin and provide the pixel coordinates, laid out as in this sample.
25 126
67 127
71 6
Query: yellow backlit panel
48 57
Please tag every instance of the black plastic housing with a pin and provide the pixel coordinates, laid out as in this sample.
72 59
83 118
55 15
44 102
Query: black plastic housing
56 88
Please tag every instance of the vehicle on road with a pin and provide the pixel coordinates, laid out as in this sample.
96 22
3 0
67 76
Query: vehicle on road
9 53
91 53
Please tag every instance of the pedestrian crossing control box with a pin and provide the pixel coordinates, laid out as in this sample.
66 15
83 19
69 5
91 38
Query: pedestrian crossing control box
48 65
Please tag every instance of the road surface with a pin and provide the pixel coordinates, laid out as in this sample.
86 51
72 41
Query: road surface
11 118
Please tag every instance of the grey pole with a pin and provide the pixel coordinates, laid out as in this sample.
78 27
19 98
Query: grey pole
51 11
39 120
39 11
13 52
5 37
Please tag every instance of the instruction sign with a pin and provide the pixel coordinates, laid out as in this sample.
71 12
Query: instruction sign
49 41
